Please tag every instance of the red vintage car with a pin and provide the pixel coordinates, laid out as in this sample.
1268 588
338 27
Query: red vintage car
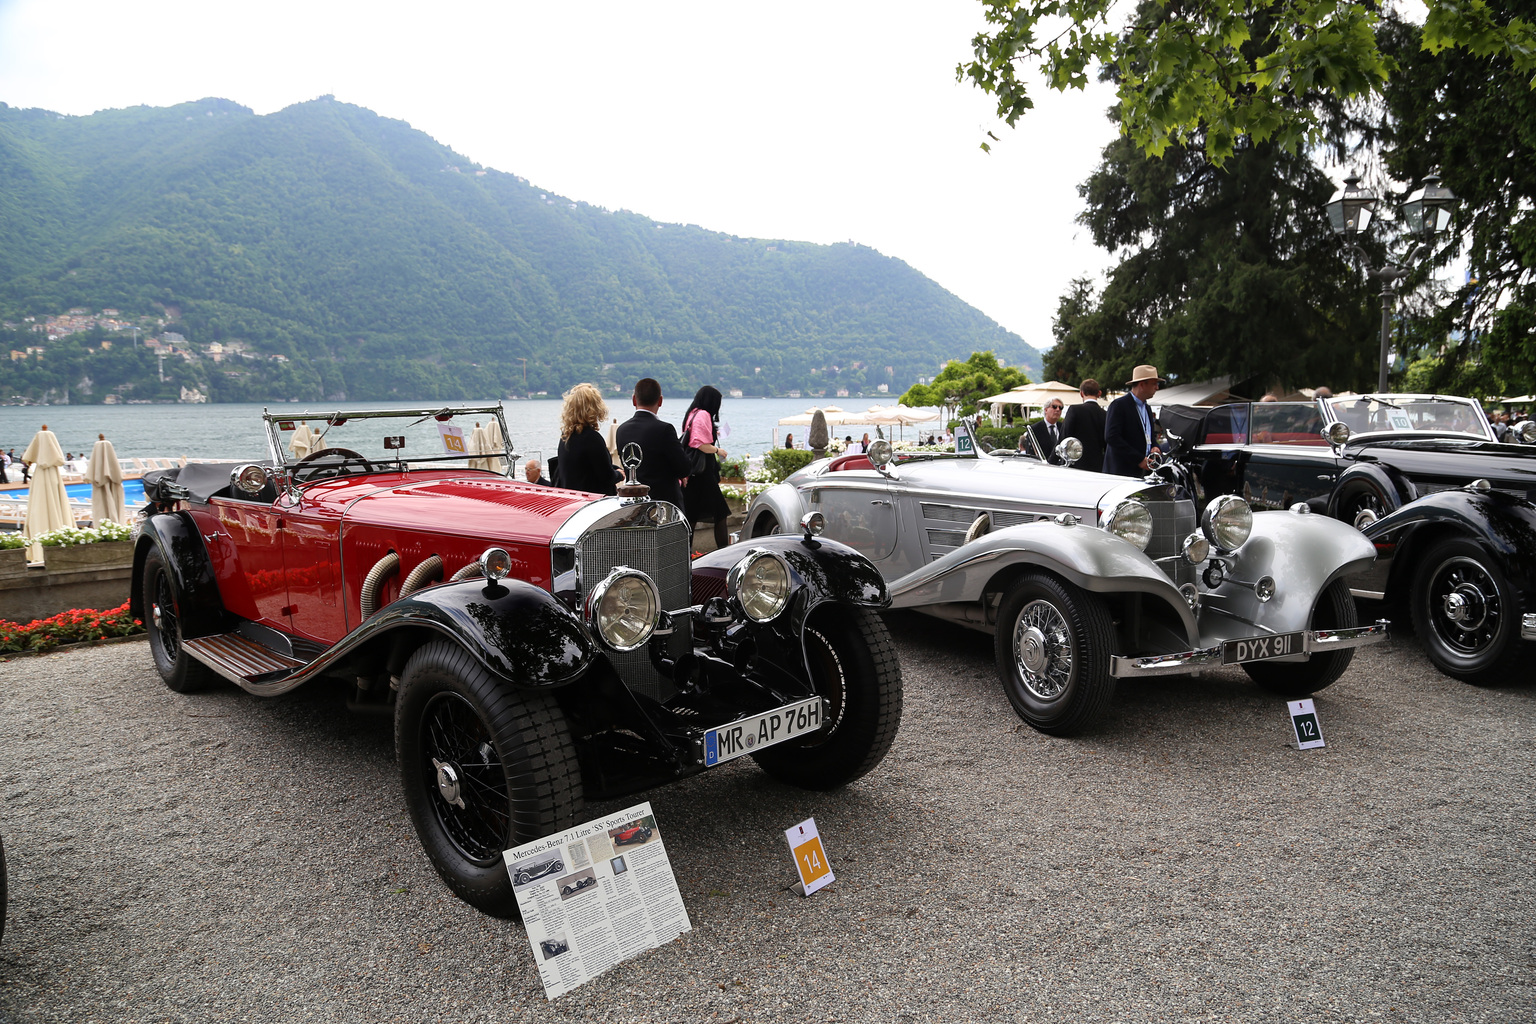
538 648
634 834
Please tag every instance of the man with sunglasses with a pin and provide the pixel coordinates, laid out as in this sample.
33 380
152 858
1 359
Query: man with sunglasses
1049 432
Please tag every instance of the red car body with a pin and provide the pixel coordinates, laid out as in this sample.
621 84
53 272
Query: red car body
537 647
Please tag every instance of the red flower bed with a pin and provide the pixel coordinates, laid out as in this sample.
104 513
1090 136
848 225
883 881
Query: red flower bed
71 627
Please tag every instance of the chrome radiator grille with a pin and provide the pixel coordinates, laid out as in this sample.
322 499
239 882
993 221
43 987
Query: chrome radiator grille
661 552
1172 521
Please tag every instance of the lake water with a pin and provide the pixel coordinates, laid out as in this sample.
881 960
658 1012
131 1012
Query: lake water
234 431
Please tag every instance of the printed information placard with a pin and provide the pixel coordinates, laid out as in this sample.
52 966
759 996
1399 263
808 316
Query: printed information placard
810 856
594 895
1304 720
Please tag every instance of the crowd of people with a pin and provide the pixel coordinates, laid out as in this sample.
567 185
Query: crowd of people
684 470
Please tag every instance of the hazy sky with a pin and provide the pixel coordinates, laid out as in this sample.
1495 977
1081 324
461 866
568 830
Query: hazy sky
823 121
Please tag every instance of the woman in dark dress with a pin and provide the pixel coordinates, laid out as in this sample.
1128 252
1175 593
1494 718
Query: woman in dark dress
583 463
701 492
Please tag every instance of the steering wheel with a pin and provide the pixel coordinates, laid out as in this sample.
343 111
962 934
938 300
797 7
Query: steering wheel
328 463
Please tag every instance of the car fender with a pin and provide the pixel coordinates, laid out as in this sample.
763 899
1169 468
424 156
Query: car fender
518 631
1372 476
1090 558
832 571
1304 553
1502 523
185 555
783 500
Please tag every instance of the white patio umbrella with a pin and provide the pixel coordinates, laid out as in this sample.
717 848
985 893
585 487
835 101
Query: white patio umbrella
47 500
496 445
476 445
834 417
105 474
613 443
1030 395
300 443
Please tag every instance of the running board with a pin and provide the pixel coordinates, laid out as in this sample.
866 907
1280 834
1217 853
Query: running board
239 659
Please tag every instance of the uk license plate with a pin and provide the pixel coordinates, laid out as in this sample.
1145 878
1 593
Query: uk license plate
1262 648
749 735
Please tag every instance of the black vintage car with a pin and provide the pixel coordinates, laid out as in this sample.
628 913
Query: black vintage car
1451 510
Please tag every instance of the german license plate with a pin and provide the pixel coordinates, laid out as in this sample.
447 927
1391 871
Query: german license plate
749 735
1262 648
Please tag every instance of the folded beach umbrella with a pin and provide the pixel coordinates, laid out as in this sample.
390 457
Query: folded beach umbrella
300 443
477 446
47 500
105 475
496 445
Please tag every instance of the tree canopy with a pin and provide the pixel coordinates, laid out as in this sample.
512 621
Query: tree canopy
959 386
1222 271
1186 74
1473 118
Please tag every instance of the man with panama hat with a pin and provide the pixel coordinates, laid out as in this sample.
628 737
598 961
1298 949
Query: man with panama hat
1130 427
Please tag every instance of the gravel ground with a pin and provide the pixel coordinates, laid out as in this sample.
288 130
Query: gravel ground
219 857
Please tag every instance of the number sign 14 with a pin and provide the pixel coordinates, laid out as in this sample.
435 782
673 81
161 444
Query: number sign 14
1304 720
810 857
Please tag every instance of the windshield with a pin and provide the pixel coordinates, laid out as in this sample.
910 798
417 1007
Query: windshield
385 439
1406 413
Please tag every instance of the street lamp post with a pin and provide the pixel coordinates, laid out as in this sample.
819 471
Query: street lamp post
1428 213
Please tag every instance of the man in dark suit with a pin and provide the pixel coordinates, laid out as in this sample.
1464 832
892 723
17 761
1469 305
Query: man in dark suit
1085 422
1129 427
1049 432
662 460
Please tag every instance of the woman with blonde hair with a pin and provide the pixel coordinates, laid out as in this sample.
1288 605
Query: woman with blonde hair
583 463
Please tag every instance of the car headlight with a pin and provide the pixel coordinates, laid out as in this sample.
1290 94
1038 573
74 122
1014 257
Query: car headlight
496 563
760 583
1196 549
1131 521
624 608
1227 522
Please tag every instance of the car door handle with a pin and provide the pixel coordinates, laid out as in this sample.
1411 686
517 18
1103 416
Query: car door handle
1325 476
879 501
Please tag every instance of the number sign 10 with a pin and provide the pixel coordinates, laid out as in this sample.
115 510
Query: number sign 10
810 857
1304 720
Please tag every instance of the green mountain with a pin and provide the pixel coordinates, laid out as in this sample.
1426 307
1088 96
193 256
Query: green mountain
379 264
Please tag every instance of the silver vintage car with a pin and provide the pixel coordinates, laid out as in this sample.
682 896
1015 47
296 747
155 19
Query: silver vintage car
1085 579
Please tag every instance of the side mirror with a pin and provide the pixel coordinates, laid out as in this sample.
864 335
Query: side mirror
1338 434
880 453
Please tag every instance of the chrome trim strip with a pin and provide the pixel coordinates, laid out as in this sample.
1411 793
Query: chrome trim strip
1528 626
1315 640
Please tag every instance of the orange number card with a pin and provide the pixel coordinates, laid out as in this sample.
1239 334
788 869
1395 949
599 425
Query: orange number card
810 856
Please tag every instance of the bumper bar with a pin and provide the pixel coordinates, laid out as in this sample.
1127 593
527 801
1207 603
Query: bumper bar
1315 641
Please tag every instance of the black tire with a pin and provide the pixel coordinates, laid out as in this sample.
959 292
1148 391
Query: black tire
1466 613
511 765
162 621
854 666
1335 609
765 525
1053 646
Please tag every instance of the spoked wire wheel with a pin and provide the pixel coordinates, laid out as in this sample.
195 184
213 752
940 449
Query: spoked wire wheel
466 779
1043 651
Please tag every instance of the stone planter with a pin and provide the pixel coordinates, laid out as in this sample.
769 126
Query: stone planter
102 555
13 563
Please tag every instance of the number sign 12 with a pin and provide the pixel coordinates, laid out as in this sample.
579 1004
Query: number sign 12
810 857
1304 720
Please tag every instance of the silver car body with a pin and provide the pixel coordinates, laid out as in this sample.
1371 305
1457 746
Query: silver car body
912 518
